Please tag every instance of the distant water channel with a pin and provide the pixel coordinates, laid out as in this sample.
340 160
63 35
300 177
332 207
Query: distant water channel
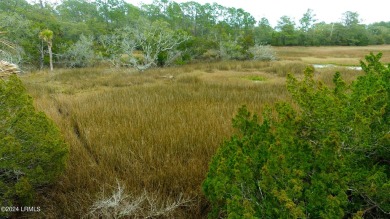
319 66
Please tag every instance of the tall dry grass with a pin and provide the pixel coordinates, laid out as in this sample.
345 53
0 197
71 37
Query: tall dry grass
149 131
340 55
154 132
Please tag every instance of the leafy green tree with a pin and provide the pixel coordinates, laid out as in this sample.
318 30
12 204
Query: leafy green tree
146 44
16 29
77 10
321 34
307 20
79 17
230 50
337 34
306 26
207 20
355 33
16 6
328 159
191 11
157 41
246 40
379 33
32 151
8 50
286 32
350 18
112 12
80 54
175 15
263 32
238 18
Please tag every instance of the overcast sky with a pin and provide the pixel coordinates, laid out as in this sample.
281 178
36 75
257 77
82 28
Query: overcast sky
326 10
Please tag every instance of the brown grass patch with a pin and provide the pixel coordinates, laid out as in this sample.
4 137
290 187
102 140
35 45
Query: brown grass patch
153 134
332 54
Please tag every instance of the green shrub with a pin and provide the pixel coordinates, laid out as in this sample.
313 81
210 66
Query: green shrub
32 151
329 159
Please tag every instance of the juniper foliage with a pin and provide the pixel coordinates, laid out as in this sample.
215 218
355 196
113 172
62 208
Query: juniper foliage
32 151
330 158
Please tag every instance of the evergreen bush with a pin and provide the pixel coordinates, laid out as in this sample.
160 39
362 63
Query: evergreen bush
32 151
330 158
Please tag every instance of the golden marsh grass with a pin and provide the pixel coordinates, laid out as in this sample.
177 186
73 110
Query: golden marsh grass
154 131
340 55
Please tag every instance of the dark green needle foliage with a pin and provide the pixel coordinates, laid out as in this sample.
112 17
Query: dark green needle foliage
329 157
32 151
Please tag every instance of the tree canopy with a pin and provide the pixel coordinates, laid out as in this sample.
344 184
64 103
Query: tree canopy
211 28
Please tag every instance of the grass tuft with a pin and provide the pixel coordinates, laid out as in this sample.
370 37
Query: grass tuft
287 67
255 78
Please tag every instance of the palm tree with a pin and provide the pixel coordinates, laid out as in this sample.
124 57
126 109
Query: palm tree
47 36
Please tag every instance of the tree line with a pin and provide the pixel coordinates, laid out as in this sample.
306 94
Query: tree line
162 33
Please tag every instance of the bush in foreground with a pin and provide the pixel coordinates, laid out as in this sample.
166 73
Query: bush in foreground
329 159
32 151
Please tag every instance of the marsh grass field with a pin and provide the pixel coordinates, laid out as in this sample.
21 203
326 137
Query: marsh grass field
155 132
